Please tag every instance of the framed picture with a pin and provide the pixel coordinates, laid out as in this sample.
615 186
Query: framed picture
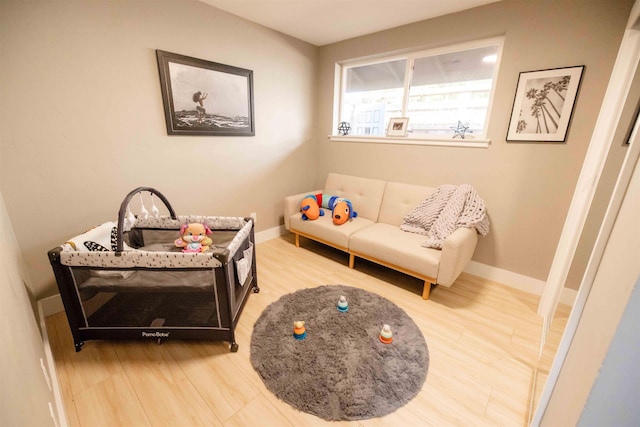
544 104
398 126
205 98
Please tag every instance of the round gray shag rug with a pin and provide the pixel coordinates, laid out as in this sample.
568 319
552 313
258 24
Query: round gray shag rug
341 370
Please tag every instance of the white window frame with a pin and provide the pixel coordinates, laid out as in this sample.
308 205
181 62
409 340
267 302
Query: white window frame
475 141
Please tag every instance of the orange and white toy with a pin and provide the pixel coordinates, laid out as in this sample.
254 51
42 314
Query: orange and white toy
299 331
386 336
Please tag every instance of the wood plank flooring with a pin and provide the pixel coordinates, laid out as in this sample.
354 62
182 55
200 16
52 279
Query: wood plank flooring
482 338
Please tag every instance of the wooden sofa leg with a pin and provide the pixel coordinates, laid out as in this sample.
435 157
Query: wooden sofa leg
426 290
297 240
352 260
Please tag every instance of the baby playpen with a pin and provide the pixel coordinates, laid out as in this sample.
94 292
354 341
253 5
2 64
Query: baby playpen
129 280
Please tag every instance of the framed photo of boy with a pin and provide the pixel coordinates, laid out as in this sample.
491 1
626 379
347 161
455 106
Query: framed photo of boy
543 104
205 98
398 126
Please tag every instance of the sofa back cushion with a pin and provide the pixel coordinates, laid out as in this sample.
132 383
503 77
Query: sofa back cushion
399 198
365 193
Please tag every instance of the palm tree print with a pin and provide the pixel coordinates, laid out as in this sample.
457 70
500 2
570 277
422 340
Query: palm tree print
544 99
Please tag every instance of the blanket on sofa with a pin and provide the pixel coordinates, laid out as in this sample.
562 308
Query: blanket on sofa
443 211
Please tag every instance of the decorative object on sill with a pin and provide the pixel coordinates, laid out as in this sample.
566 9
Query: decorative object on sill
543 104
461 129
398 126
342 370
344 128
186 84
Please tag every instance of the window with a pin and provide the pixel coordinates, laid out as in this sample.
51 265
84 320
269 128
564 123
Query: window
435 89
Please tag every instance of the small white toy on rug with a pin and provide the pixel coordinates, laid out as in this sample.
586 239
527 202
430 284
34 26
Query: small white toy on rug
343 305
386 336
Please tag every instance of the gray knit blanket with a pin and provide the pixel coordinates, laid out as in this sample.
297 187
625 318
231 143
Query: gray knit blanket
443 211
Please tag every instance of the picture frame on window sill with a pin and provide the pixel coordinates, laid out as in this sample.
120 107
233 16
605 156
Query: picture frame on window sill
543 104
205 98
398 126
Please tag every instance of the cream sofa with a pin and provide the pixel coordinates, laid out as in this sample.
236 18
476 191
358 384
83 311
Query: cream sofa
375 233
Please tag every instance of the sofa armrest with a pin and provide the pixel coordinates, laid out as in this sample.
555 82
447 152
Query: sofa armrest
457 251
292 205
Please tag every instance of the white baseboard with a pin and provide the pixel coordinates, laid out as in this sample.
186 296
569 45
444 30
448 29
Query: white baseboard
517 281
50 305
270 233
53 305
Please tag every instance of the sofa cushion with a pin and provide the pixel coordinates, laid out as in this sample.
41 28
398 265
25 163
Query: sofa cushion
388 243
400 198
365 193
325 230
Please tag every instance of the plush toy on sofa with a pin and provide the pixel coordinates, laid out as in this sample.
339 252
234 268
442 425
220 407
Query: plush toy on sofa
310 207
194 238
341 209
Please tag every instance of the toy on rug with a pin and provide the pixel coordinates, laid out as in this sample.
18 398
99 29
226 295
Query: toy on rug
299 331
341 210
194 238
310 207
386 336
343 305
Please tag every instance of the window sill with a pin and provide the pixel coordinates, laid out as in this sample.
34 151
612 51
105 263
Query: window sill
411 140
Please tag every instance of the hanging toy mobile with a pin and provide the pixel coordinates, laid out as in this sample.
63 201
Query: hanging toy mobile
144 213
130 218
154 209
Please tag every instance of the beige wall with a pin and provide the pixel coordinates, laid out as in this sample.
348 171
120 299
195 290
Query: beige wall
24 394
82 120
527 187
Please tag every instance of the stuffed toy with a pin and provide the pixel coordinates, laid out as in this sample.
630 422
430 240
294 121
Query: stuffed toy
310 207
341 209
194 238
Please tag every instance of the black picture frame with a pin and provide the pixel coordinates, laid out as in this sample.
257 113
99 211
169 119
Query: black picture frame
544 104
205 98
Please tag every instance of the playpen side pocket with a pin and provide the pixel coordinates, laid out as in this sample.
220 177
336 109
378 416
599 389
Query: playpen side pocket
244 264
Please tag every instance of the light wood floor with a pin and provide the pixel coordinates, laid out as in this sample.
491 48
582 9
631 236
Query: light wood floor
482 338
